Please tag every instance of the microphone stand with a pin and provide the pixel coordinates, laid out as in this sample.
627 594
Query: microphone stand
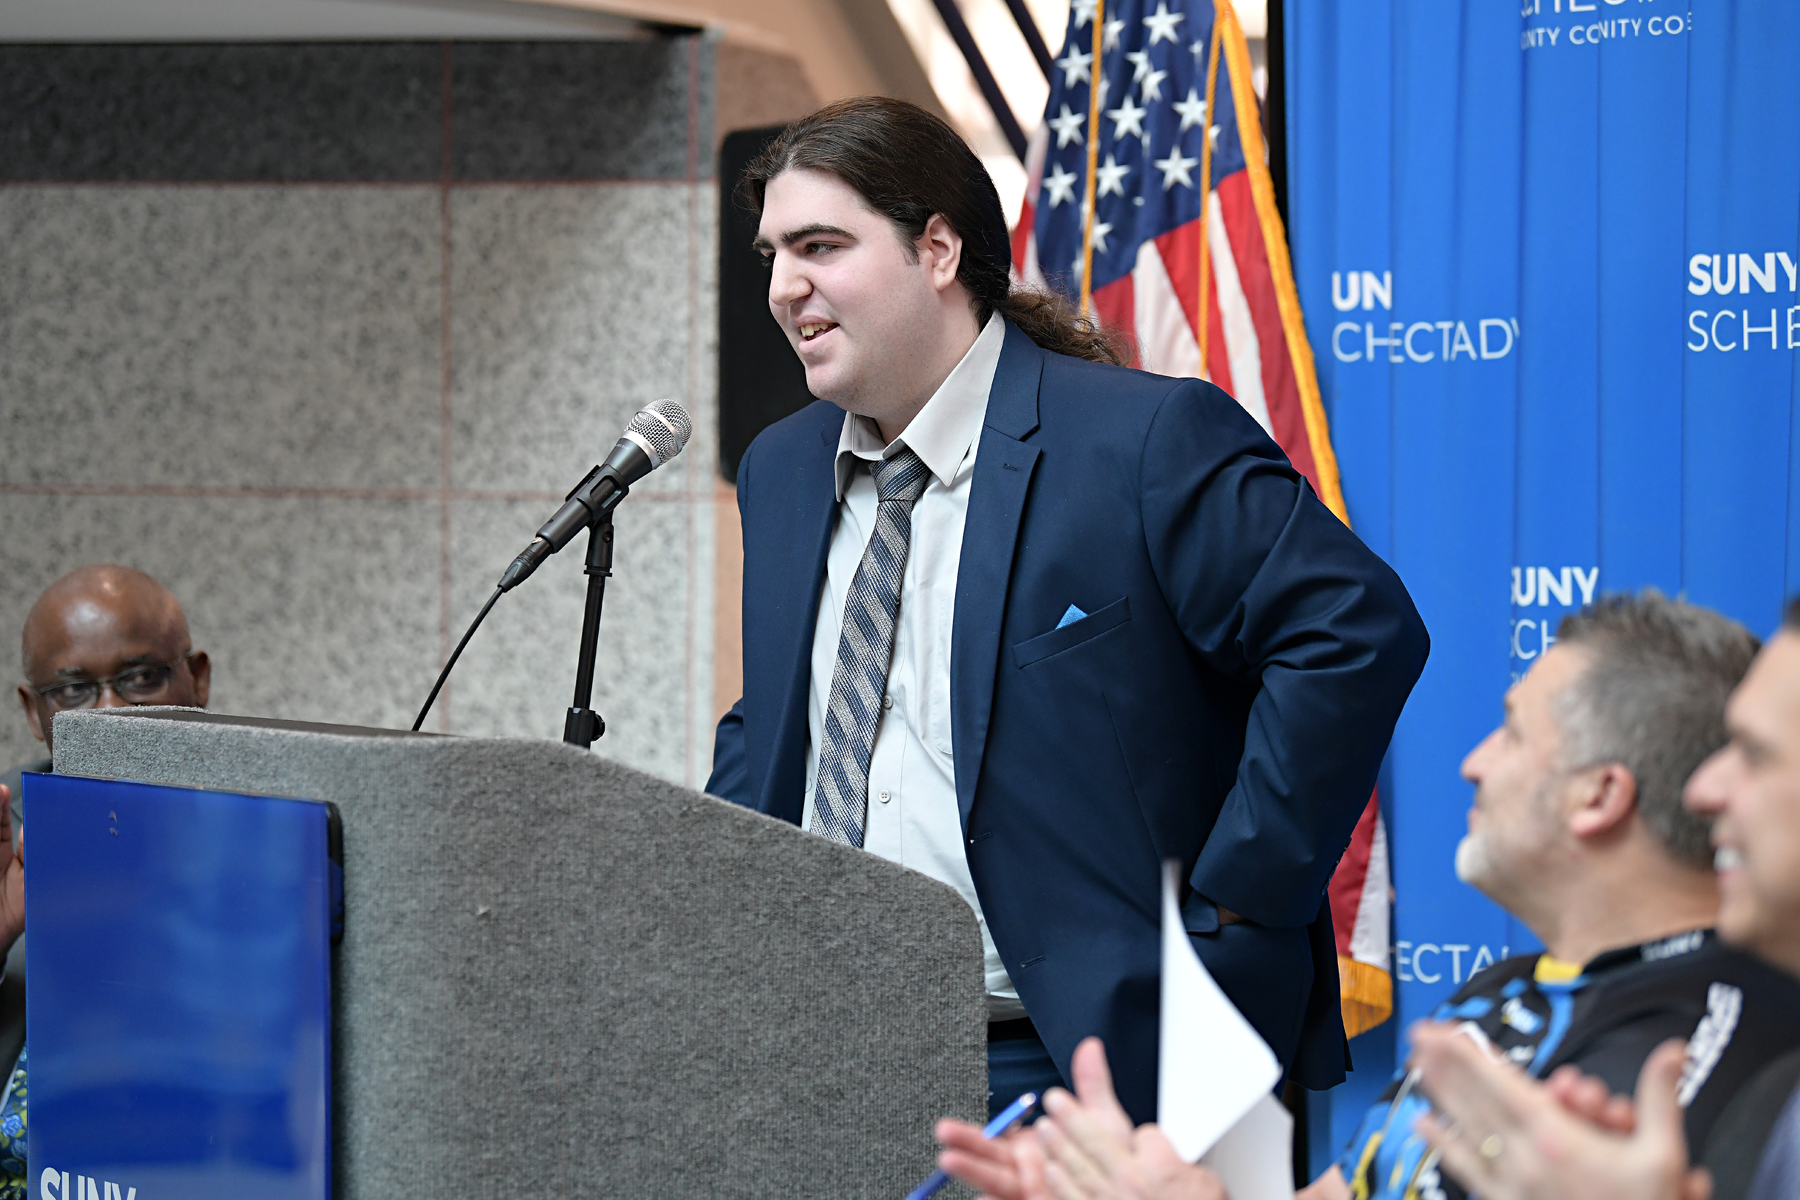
583 725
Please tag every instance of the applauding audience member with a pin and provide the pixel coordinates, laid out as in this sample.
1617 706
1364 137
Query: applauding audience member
1505 1136
1579 830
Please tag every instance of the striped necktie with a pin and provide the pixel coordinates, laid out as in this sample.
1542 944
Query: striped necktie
865 647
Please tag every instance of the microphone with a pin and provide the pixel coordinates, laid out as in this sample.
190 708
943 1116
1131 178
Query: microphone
656 434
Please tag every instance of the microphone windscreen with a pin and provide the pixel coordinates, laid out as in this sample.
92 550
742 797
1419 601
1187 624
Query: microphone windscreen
665 426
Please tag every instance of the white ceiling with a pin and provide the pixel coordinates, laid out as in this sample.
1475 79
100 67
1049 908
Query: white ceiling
1253 15
300 20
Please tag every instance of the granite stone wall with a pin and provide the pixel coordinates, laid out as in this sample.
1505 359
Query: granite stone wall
319 334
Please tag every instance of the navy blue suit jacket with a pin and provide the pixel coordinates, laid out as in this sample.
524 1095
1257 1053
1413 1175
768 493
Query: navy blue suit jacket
1226 701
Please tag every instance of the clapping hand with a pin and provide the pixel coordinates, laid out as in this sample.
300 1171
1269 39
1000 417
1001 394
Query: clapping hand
1010 1167
1084 1148
1092 1152
12 876
1505 1136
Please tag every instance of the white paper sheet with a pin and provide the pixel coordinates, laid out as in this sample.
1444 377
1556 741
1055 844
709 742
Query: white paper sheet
1255 1158
1212 1067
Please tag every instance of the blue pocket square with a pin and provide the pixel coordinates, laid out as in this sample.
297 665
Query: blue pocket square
1070 617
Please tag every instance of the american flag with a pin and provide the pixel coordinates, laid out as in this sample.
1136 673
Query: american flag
1112 219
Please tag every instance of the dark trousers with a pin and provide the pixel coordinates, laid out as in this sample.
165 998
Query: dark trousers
1018 1062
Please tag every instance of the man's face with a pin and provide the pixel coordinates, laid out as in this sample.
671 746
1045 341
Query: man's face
1518 775
859 307
100 637
1751 789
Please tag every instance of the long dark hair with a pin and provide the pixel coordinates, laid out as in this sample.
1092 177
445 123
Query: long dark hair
908 165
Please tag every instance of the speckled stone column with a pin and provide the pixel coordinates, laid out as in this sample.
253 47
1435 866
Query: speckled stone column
318 334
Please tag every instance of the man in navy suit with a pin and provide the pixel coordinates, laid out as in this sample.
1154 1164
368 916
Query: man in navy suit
1031 623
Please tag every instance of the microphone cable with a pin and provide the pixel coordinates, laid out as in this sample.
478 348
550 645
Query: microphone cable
456 654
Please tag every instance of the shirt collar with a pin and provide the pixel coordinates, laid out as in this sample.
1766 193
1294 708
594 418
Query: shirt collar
1655 950
946 428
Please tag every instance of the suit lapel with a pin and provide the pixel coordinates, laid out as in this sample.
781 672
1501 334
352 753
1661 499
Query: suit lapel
794 585
1003 469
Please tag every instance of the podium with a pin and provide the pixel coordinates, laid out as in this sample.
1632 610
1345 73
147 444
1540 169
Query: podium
561 977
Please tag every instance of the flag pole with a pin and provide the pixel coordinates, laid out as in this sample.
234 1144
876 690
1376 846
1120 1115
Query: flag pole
1365 990
1287 296
1093 160
1206 143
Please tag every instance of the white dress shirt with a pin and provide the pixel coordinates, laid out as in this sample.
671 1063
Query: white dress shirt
912 817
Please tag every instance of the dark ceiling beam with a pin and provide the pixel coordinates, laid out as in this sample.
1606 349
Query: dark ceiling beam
984 76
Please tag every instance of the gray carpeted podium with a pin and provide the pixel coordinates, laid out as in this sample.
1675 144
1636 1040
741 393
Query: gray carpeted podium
561 977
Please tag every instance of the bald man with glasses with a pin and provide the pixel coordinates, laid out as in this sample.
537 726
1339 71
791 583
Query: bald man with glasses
104 636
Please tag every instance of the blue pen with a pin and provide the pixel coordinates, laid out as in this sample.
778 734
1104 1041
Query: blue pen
1016 1111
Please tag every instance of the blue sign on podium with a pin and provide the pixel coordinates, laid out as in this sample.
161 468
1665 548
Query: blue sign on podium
178 1000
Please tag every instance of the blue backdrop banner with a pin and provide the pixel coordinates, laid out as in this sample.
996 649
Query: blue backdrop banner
1547 254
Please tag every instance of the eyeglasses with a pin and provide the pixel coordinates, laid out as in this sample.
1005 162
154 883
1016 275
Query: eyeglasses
143 684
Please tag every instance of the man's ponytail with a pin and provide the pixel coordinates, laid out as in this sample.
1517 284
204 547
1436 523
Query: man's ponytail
1058 326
